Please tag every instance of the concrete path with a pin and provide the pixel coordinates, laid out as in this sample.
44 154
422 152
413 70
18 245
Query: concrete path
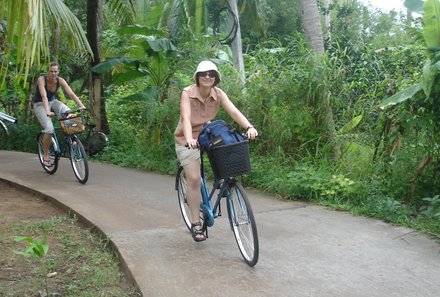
305 250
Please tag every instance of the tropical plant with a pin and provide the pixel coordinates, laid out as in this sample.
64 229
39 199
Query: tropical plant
150 57
36 249
415 110
27 23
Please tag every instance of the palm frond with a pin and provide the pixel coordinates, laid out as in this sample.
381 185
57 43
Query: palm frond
28 25
124 9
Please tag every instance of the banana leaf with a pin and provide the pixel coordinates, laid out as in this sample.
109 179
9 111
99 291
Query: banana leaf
431 19
108 65
401 96
350 125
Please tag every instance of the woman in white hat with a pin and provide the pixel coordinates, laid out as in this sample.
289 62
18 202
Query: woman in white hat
199 103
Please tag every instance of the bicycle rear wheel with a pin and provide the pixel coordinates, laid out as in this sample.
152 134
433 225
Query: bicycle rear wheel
96 143
181 187
78 159
243 223
53 153
3 135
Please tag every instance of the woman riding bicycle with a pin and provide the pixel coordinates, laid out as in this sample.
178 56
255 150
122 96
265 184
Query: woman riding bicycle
45 100
199 103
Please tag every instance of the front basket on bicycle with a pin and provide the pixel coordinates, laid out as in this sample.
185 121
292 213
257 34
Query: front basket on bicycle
72 124
230 160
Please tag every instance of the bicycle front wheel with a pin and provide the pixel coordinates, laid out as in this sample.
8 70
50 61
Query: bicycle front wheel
243 223
3 135
78 159
96 143
53 153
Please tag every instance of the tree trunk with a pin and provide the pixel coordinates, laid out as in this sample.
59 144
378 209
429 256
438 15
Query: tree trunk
312 24
236 45
328 33
313 30
97 102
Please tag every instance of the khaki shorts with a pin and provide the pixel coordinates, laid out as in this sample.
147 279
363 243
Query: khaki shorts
186 155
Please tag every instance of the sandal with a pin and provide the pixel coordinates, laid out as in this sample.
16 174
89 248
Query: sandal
197 234
47 163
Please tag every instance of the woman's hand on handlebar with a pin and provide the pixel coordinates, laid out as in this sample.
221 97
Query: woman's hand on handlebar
192 144
251 133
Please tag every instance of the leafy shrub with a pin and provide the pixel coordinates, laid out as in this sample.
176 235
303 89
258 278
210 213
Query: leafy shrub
22 137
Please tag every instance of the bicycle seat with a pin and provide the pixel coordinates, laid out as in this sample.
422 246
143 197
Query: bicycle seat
91 125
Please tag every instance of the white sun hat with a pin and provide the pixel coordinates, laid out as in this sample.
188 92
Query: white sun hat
206 66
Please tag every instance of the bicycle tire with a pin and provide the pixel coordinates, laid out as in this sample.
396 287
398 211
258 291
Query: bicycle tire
3 135
53 153
96 143
243 223
78 160
181 187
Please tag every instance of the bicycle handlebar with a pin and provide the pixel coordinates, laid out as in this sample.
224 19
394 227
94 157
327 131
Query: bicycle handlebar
8 118
65 114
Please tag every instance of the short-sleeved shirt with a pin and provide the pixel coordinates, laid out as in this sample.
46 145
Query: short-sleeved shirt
201 111
50 95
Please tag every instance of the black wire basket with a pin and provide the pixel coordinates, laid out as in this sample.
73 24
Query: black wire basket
230 160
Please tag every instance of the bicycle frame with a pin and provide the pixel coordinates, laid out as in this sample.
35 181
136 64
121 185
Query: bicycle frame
68 140
210 209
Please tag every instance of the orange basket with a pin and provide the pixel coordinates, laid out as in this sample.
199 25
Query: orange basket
72 124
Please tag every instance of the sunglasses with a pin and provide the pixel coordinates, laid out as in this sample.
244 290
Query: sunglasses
210 73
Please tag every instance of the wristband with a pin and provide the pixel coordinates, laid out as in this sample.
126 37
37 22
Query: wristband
249 127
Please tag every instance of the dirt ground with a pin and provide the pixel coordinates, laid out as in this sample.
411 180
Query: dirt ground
20 209
18 205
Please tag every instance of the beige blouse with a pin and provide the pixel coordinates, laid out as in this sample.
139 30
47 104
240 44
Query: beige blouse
201 111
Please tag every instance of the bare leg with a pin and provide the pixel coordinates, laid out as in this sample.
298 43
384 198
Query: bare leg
192 173
46 144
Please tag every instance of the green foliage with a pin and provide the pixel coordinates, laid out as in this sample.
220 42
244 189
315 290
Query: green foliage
431 30
22 137
36 248
431 207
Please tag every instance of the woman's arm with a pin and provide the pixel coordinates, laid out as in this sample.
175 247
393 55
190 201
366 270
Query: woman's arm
185 117
43 94
238 117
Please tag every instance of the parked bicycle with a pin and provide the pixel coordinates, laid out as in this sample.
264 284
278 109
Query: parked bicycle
71 147
94 141
4 132
227 162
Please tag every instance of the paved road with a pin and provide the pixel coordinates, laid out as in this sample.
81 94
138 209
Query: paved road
305 250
